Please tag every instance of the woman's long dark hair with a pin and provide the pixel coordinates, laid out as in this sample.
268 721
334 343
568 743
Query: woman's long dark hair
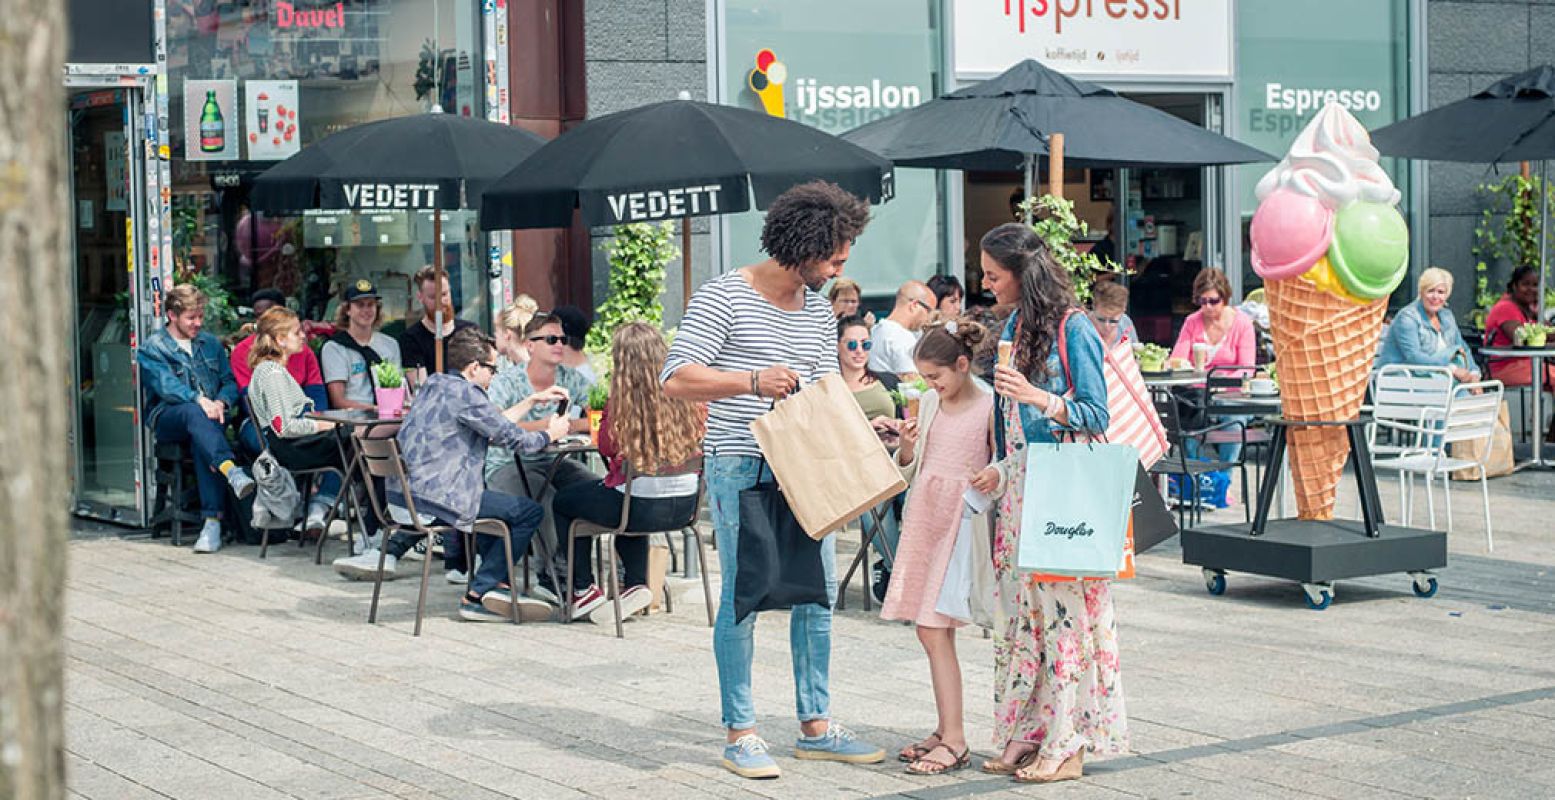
1046 293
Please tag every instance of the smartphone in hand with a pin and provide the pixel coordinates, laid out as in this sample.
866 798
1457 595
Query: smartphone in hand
561 407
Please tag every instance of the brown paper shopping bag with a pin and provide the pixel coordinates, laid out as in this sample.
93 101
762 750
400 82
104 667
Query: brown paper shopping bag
828 460
1495 452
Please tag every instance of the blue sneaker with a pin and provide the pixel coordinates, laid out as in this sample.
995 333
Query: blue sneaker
837 744
748 758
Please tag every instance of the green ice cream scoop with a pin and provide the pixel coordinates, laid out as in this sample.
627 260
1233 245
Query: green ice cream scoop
1370 251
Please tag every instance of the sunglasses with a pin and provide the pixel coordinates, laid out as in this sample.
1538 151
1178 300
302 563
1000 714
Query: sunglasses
855 345
1210 301
548 339
923 305
488 365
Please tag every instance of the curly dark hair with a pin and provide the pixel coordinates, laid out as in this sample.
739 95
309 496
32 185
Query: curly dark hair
811 222
1046 294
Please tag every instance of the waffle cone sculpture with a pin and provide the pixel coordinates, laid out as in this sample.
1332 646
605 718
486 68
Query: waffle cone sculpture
1331 248
1323 346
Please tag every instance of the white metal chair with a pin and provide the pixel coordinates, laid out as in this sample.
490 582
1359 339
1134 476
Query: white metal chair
1404 398
1470 416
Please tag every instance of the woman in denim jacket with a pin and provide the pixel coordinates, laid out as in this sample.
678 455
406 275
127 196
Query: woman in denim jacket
1057 691
1424 332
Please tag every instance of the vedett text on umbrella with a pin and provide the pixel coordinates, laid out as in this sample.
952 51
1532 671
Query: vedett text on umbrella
666 204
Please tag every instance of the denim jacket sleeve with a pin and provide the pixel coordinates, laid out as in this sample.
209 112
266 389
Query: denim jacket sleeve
163 372
1087 402
1411 334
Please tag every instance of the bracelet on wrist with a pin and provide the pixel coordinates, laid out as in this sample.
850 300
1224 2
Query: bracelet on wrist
756 382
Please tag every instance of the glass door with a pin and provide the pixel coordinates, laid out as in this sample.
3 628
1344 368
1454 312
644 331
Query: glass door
105 426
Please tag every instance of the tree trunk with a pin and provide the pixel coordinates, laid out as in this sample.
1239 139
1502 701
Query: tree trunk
35 271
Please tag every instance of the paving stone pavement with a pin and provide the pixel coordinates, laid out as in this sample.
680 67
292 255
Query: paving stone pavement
231 677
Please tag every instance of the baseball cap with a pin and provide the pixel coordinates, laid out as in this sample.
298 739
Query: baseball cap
359 289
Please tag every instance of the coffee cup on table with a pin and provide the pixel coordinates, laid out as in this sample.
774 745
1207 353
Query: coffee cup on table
1201 355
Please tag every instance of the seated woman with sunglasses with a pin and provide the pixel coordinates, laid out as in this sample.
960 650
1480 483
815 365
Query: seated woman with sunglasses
1229 336
872 390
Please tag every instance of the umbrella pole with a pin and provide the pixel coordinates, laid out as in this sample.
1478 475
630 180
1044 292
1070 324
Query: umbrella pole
437 266
1028 171
1544 218
685 263
1055 165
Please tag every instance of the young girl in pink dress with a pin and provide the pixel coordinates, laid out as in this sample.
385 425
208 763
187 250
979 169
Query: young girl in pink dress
955 418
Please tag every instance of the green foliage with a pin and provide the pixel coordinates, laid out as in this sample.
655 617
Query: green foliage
599 395
221 315
638 254
1532 334
1508 230
387 375
1054 221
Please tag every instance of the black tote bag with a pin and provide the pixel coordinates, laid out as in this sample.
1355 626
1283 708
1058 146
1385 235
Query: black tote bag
777 565
1153 523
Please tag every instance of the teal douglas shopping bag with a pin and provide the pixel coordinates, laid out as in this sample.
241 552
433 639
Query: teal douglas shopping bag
1075 514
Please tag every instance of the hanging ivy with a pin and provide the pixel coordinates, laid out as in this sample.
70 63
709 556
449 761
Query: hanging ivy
1054 220
1508 231
638 254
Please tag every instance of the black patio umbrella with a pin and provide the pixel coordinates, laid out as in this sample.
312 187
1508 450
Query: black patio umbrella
426 161
1004 123
676 160
1511 120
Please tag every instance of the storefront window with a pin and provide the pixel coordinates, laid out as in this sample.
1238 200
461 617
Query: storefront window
842 65
1292 58
253 81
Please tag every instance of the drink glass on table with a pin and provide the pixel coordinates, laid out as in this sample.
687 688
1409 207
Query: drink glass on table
1201 355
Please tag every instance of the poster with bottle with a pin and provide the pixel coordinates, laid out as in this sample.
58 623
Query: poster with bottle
270 119
211 120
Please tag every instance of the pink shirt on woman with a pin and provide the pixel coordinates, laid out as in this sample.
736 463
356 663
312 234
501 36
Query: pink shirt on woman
1239 347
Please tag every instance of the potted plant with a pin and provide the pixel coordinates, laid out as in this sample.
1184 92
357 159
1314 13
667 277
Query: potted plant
599 395
390 391
1531 334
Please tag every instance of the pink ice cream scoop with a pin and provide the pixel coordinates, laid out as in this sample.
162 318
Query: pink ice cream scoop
1290 232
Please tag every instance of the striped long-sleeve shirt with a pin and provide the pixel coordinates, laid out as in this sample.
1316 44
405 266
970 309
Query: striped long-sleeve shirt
278 402
729 326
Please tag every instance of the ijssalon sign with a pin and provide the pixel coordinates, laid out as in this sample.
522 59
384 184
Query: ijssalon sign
828 106
1104 38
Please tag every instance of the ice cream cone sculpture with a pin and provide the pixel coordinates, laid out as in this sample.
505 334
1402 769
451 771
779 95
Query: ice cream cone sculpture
1331 246
766 80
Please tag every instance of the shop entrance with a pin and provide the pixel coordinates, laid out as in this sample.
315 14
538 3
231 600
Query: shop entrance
1158 230
105 438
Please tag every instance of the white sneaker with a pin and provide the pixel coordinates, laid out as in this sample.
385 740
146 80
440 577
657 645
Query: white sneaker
365 566
315 524
362 543
633 601
210 537
456 577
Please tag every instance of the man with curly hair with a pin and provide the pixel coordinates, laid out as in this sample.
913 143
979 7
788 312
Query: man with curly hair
748 337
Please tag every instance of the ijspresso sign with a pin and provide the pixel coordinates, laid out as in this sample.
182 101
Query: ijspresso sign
1179 39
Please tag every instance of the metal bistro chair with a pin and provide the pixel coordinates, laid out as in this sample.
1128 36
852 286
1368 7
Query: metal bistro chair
1404 398
380 458
605 550
347 494
1223 380
1176 461
1469 417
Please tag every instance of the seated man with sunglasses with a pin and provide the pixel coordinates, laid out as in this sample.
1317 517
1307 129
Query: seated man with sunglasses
895 337
547 345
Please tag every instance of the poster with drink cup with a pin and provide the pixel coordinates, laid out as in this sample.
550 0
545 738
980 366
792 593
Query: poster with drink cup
211 120
270 119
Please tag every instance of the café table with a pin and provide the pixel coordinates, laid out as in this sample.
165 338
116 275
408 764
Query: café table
569 446
1173 379
348 421
1536 355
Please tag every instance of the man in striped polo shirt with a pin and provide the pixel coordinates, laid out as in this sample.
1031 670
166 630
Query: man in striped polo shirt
748 337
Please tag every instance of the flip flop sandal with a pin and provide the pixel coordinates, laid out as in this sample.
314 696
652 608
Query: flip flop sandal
998 766
940 768
914 752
